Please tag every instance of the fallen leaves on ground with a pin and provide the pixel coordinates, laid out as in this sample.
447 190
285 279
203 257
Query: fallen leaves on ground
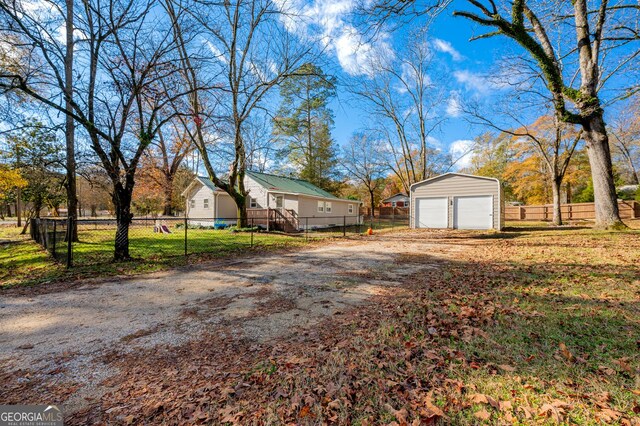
497 333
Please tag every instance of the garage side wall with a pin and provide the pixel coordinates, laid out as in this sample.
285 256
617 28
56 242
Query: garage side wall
451 186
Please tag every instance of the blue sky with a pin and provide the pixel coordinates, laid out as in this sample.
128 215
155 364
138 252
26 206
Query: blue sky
467 64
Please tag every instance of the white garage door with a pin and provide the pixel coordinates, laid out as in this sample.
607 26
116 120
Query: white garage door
432 213
473 212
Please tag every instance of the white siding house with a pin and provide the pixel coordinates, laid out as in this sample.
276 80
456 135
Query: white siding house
295 202
456 200
204 202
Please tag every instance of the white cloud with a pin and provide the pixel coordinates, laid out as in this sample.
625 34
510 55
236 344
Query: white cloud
454 104
483 84
462 152
217 53
472 81
325 21
446 47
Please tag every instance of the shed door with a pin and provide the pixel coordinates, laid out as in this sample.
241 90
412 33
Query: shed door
432 212
473 212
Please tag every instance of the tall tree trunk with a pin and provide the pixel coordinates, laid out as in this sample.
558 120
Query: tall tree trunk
241 204
556 185
72 200
373 207
19 206
168 196
122 202
604 191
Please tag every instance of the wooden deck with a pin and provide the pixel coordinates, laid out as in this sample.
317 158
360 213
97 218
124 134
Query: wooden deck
274 219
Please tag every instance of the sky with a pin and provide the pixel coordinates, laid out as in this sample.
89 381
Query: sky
467 65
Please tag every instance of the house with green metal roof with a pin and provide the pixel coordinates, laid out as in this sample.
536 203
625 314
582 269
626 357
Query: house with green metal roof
274 202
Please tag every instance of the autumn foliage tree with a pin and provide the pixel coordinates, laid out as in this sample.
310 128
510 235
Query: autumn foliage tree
10 180
573 79
162 162
552 144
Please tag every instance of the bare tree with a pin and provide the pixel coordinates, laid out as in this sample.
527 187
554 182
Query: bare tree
166 154
125 57
70 126
404 99
595 39
554 142
250 53
625 142
363 161
605 43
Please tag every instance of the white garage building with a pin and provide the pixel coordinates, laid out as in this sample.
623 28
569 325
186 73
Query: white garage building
456 200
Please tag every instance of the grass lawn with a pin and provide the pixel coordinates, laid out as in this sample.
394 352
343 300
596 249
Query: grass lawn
529 326
26 263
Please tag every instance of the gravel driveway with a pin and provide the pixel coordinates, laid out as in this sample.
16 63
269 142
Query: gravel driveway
59 335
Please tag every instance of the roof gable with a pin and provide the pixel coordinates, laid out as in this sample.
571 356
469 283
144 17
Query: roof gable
204 181
451 174
287 184
399 196
271 183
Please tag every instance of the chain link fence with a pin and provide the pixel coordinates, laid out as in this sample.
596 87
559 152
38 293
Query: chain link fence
51 234
159 238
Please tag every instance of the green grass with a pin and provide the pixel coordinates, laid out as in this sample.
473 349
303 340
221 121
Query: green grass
25 263
22 260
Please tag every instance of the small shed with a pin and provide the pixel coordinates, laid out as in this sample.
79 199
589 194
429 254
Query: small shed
457 200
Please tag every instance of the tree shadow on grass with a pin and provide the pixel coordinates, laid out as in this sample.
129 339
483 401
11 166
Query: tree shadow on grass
563 331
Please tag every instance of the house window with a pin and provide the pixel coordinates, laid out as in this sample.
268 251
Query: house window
393 204
205 203
253 203
192 204
350 208
327 207
279 201
320 206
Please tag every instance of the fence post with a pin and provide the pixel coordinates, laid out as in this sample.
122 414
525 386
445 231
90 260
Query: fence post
251 232
185 235
55 236
70 225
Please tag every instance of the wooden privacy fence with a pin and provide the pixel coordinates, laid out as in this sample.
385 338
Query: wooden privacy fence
387 211
575 211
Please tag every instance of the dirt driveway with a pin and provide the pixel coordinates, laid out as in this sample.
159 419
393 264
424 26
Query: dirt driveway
58 337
